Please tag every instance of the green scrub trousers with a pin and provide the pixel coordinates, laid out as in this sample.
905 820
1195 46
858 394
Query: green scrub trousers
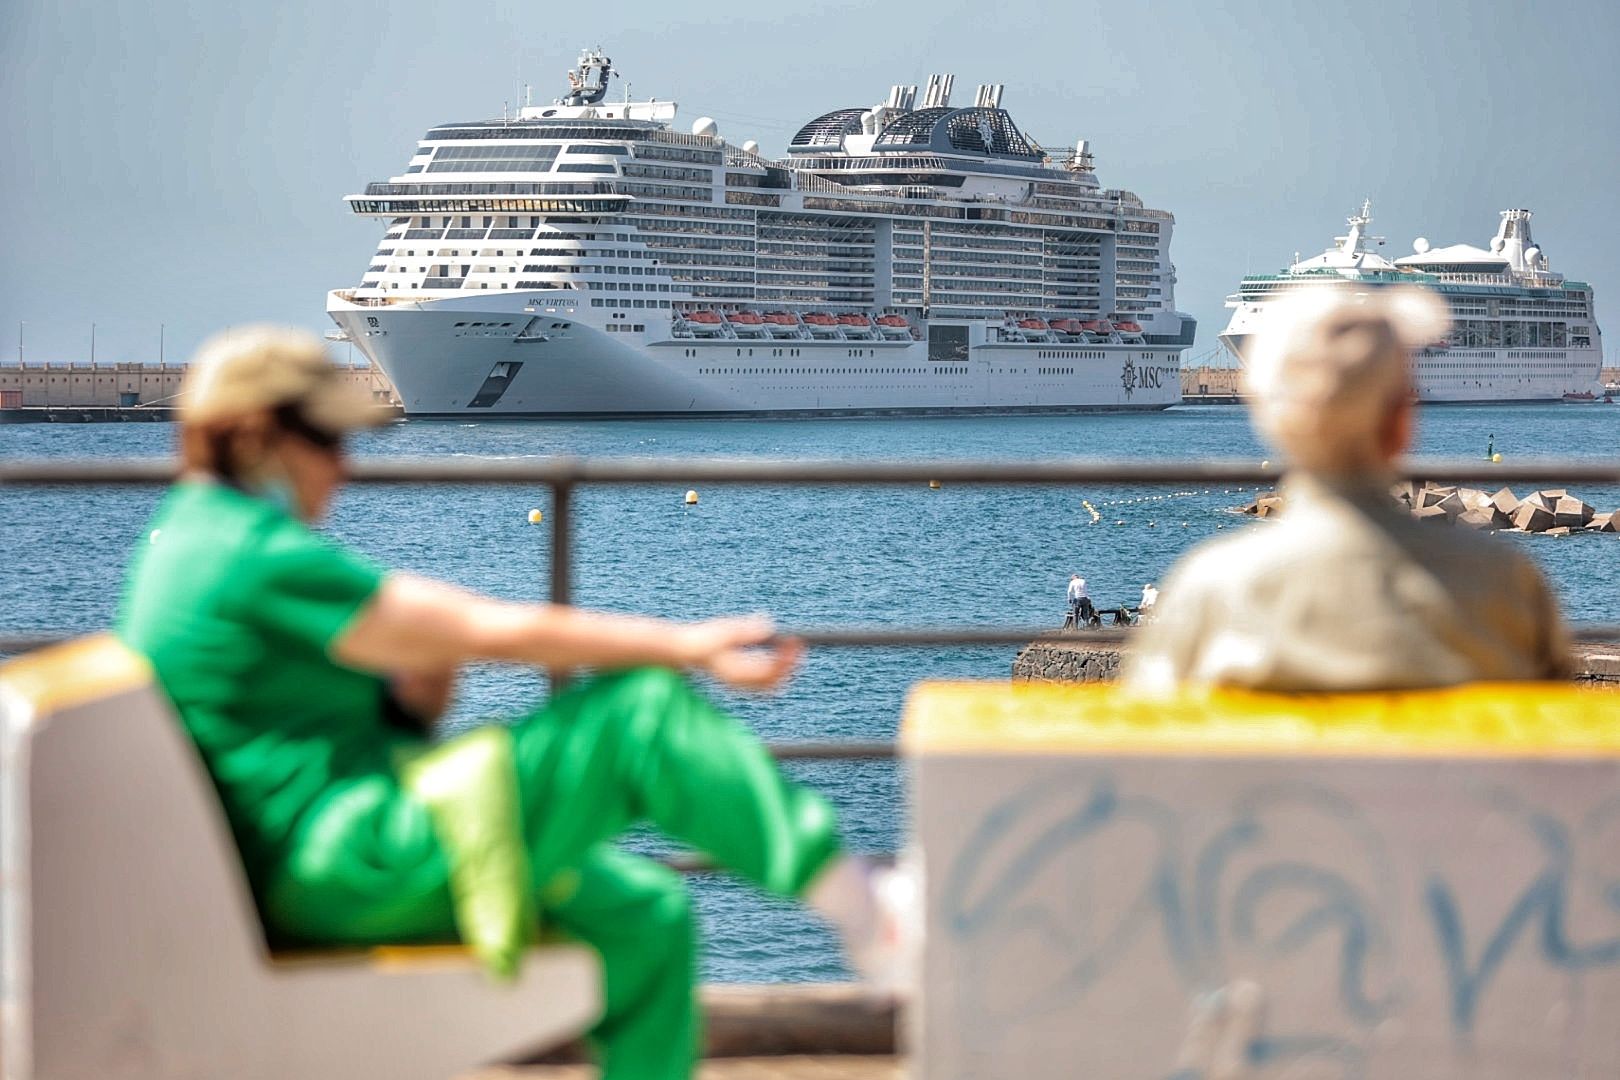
600 756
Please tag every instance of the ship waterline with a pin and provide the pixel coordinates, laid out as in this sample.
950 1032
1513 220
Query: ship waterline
899 260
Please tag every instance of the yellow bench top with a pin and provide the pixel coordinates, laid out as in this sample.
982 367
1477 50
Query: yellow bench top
1480 719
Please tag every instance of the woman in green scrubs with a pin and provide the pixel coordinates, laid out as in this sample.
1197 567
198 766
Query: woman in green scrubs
290 660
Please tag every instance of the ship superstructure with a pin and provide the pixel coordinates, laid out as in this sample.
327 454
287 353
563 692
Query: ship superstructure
585 258
1520 331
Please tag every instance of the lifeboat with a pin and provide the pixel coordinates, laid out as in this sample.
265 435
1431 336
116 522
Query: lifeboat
746 323
1066 326
893 326
782 324
1096 326
1034 329
1128 327
821 325
705 323
855 325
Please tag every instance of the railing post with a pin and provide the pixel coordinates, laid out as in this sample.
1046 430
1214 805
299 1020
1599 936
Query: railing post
562 563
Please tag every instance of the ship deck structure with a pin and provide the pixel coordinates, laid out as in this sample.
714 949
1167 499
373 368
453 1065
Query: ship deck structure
587 258
1520 331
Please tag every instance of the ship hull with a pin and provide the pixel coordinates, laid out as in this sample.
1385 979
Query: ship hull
1480 376
517 358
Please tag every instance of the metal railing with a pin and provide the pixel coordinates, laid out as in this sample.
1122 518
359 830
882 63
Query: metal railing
564 475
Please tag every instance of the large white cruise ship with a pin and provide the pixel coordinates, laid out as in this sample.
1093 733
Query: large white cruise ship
1520 332
587 259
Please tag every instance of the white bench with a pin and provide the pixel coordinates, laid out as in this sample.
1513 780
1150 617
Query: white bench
1417 886
129 945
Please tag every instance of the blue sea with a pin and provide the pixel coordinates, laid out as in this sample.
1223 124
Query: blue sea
813 557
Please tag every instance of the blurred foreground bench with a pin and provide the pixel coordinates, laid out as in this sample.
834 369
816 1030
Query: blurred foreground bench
1258 886
129 945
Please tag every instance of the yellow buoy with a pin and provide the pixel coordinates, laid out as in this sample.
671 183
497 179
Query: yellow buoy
536 517
933 485
1496 459
691 498
1265 464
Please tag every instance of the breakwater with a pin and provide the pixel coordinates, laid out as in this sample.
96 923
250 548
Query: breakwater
1078 661
1553 511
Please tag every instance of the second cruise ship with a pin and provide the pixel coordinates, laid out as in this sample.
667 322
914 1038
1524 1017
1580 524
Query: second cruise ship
1520 332
587 259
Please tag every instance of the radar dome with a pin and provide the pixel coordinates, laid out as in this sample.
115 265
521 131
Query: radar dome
751 147
1420 245
1496 244
1532 255
705 125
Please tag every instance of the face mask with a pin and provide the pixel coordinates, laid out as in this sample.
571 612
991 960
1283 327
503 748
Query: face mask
278 492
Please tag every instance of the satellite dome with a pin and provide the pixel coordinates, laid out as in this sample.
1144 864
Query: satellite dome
1532 255
751 147
1496 244
705 125
1420 245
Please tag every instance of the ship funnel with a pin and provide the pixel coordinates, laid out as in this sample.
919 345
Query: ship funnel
989 96
938 92
1513 237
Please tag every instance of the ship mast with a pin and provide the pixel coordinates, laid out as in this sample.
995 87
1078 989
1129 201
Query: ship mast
1355 242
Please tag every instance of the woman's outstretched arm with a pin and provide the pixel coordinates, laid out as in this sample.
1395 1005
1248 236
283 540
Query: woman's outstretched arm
414 624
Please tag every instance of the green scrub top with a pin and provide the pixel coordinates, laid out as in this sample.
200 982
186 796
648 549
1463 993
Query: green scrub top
236 603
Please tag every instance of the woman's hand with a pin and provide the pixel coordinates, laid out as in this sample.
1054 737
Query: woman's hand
743 653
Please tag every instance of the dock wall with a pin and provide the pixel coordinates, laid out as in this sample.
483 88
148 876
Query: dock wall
126 385
1065 662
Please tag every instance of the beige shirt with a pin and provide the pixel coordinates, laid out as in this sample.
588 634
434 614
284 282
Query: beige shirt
1347 591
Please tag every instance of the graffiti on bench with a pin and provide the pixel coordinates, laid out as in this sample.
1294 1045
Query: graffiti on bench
1102 880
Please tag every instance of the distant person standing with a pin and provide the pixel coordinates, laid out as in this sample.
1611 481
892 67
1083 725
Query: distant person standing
1080 609
1150 597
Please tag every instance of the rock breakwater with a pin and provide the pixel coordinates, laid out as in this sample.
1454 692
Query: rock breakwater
1078 661
1552 511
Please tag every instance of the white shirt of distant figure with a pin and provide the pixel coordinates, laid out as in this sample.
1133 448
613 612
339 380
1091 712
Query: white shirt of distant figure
1150 597
1077 589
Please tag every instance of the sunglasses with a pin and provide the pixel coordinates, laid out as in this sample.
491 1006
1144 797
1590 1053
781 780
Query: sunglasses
290 418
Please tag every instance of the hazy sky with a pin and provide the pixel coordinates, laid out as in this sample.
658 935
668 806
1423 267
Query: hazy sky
184 163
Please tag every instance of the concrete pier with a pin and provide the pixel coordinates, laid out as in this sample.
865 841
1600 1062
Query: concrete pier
1073 661
72 393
